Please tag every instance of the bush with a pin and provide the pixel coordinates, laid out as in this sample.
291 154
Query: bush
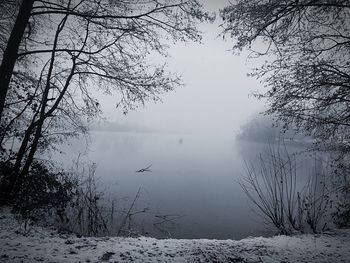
341 215
86 210
71 201
341 181
272 186
44 190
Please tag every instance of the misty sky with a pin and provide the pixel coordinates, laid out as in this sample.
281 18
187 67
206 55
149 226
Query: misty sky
216 96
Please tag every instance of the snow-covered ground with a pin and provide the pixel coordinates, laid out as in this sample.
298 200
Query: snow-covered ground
44 245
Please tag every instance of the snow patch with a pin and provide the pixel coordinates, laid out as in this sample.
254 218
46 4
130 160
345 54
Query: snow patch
38 244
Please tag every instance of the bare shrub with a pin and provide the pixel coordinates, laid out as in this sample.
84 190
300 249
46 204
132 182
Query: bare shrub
274 187
84 214
92 213
74 202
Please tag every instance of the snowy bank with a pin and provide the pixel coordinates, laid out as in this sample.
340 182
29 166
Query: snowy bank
45 245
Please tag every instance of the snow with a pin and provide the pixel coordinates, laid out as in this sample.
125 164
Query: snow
37 244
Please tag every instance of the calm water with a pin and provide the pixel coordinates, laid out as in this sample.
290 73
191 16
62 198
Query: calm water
193 182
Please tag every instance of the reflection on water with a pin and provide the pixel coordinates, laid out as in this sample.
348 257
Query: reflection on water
193 182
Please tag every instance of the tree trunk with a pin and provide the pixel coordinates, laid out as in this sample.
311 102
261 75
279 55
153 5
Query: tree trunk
17 183
10 54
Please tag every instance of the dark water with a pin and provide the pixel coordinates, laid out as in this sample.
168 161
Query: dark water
193 182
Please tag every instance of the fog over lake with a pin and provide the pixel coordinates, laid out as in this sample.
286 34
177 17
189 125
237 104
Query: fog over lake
190 141
193 178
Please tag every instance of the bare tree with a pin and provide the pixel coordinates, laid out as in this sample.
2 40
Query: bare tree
79 47
306 46
307 72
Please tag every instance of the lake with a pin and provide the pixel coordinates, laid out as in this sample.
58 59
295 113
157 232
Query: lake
192 190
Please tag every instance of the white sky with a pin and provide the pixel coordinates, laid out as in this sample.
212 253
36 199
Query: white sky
216 96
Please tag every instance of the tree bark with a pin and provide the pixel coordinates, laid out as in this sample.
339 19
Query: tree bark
10 54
